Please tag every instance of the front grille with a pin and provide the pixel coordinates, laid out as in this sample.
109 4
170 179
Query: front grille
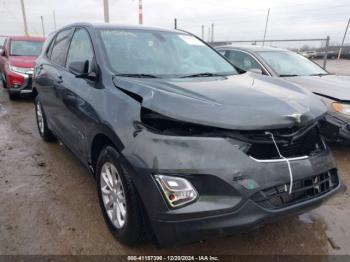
305 189
307 144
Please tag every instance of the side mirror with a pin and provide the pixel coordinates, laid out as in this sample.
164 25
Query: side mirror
81 70
256 70
2 51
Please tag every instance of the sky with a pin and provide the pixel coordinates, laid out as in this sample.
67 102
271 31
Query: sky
232 19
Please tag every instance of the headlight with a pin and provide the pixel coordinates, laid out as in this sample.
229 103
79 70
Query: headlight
21 70
341 108
177 191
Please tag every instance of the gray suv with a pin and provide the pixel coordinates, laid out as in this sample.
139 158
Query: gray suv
180 144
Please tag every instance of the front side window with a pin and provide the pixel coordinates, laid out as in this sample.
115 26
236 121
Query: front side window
80 49
25 48
58 54
161 53
243 61
286 63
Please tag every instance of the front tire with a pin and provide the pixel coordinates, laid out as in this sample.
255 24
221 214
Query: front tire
118 199
43 128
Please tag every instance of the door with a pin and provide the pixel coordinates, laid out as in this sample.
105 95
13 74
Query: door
75 93
50 81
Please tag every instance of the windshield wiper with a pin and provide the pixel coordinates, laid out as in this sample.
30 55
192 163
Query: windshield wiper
139 75
288 75
322 74
207 74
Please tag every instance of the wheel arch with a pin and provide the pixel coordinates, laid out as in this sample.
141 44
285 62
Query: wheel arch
104 137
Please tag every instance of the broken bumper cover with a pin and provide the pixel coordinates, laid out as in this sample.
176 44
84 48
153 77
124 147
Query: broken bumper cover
336 129
229 184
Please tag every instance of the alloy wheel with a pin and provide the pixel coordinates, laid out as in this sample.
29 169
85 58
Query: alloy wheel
40 118
113 195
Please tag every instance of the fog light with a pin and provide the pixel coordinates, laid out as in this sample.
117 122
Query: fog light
177 190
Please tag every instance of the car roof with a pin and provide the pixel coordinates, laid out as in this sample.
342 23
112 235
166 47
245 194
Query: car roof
27 38
120 26
253 48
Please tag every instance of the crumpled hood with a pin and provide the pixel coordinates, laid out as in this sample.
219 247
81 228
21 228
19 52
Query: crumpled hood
241 102
22 61
334 86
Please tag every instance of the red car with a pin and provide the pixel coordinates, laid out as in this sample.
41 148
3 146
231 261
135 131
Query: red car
17 62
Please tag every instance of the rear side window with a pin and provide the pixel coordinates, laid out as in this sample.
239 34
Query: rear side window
80 49
58 54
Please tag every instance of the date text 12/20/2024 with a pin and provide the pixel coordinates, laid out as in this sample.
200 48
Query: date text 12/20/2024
173 258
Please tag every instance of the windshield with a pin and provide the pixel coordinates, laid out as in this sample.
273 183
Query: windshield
25 48
162 54
286 63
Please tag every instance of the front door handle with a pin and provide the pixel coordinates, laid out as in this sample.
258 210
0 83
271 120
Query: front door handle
59 80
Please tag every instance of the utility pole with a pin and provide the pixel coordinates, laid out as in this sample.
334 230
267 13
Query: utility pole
140 13
267 21
325 56
24 18
42 25
175 23
106 10
208 34
54 19
212 33
342 43
203 32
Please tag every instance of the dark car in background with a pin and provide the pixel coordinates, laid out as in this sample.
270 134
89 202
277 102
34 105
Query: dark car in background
333 90
180 144
17 62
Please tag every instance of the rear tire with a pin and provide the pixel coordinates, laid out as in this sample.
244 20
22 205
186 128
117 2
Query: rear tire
43 128
129 229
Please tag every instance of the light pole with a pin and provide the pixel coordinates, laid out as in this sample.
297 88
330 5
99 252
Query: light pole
140 13
24 18
42 25
267 21
106 10
54 19
342 43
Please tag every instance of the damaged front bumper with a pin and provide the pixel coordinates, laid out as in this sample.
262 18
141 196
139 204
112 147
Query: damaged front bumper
236 191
